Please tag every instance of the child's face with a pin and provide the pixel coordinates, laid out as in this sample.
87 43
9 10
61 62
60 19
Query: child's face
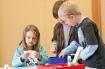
71 20
60 21
30 38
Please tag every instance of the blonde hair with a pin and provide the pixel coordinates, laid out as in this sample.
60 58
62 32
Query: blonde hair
68 8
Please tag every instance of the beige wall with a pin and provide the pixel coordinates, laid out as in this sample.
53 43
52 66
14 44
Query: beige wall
103 18
0 29
16 14
85 6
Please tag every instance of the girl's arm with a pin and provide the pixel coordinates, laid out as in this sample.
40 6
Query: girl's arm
44 56
17 61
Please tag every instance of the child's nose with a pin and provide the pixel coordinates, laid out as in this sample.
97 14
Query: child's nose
30 39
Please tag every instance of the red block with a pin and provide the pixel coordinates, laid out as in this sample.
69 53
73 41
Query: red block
61 66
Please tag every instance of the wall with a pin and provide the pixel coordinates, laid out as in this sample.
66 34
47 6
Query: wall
85 6
0 29
16 14
103 18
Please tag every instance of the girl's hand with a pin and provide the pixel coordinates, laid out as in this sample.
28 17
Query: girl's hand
38 56
25 55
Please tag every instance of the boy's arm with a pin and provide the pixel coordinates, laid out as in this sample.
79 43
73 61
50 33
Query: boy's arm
71 48
88 51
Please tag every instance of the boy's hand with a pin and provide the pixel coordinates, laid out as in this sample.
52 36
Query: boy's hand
61 54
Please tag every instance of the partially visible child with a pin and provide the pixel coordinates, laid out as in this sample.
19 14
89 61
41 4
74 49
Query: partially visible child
30 43
88 36
62 34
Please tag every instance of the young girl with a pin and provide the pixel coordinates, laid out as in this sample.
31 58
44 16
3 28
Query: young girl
30 52
88 36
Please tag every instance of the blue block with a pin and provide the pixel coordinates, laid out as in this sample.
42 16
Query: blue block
57 60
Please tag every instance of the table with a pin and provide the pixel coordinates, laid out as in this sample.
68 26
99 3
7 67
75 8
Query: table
33 67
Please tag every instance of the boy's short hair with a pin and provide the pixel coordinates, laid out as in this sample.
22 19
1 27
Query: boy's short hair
56 7
68 8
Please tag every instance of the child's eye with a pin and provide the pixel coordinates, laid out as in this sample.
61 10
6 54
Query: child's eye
28 37
34 38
